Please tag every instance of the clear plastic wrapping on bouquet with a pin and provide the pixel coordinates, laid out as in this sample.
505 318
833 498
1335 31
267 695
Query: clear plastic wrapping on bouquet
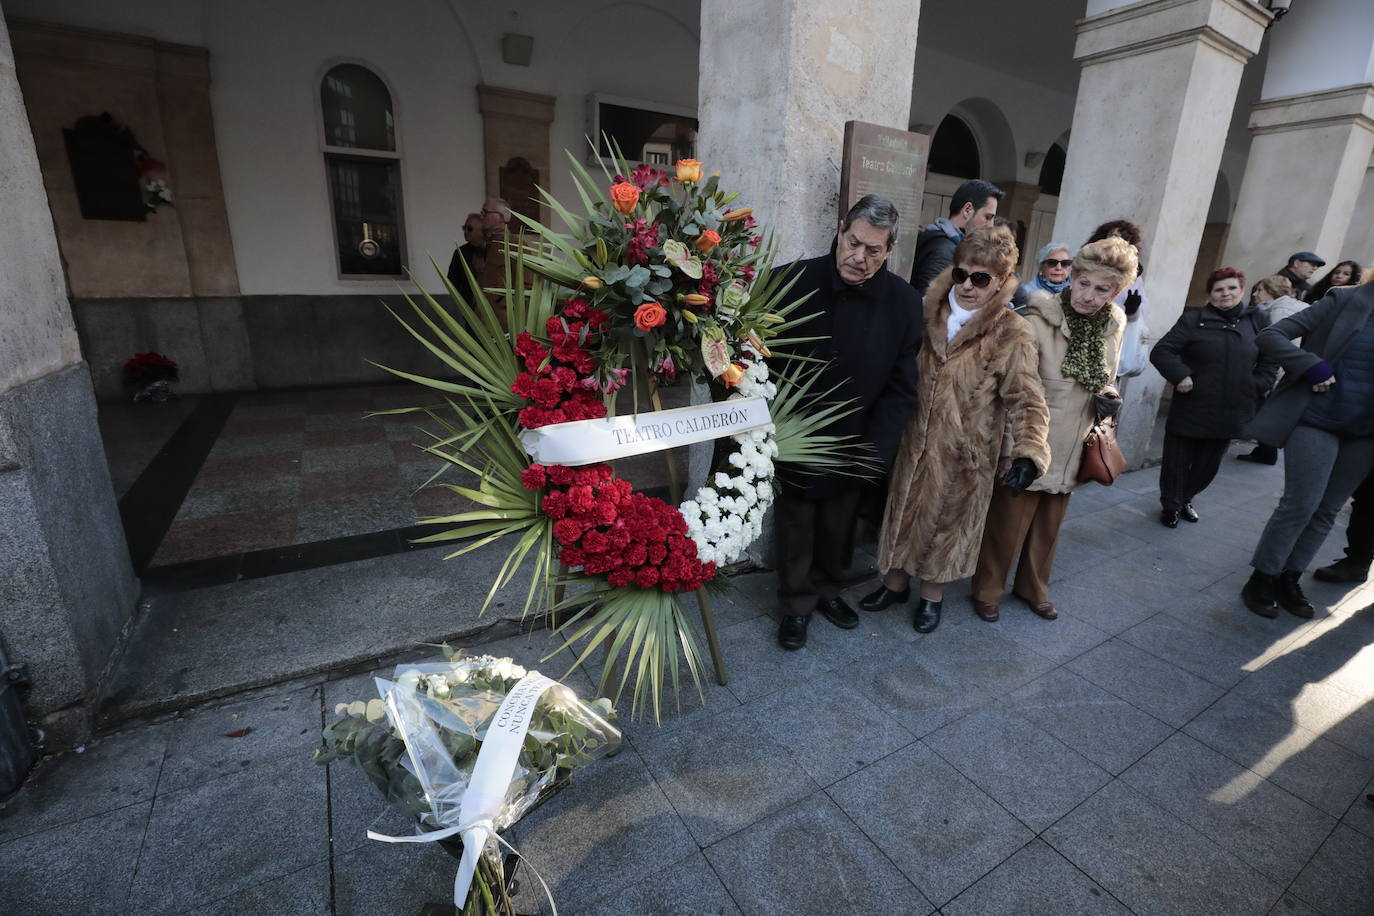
442 710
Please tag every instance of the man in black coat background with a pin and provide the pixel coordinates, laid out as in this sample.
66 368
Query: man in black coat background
868 321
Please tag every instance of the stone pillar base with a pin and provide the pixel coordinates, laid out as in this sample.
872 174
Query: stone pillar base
66 586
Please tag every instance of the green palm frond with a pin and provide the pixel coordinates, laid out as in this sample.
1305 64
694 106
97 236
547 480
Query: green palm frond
646 633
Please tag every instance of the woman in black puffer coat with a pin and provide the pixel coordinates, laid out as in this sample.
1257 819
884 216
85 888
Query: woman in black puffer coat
1219 380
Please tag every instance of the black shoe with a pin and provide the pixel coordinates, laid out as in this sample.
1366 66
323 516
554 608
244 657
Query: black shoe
1188 513
1343 570
884 598
1260 594
792 632
1261 454
1168 518
838 612
927 616
1290 596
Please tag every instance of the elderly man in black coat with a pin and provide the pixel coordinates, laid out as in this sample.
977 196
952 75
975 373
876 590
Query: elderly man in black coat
868 321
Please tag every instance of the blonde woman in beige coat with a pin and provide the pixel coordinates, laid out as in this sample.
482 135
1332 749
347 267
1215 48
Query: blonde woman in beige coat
1078 336
976 377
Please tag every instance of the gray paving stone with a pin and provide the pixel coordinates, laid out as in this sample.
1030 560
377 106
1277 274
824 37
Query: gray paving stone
908 683
301 893
1103 728
349 515
239 496
77 867
1263 825
1153 862
1339 878
392 878
1196 651
1255 735
1036 881
110 772
1059 640
1289 905
981 653
1360 815
1219 614
759 666
1116 595
831 730
811 859
1165 691
610 829
356 806
1025 769
252 446
724 774
686 888
342 457
939 828
229 834
206 743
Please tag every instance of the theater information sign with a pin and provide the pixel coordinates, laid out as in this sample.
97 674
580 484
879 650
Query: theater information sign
892 163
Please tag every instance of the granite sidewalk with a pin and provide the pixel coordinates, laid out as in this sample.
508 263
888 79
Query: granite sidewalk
1156 750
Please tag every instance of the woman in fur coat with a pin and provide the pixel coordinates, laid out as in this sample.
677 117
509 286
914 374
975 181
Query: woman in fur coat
978 376
1078 335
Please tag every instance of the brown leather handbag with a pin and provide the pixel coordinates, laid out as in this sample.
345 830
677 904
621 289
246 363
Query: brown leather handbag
1102 459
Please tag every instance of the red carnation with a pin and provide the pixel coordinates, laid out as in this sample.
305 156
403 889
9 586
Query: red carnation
561 474
567 530
533 477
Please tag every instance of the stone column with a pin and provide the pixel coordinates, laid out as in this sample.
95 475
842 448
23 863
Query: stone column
1304 174
1359 238
1154 164
66 586
773 108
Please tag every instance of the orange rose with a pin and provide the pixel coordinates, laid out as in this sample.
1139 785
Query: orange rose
688 170
649 316
708 240
732 375
624 196
695 299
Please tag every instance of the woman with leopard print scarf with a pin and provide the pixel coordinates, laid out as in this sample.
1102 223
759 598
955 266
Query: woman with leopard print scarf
1078 334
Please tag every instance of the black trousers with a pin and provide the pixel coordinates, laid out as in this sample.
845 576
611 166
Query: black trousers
1359 534
1189 466
814 541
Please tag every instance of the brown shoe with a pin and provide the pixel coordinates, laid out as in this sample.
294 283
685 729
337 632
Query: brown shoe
1045 610
985 610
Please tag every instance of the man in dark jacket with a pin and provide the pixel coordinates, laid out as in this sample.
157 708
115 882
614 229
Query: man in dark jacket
868 321
1298 271
973 206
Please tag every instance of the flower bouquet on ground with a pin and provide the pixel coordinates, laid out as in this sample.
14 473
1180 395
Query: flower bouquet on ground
467 747
150 373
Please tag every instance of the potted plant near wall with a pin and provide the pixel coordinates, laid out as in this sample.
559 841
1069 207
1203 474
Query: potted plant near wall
148 374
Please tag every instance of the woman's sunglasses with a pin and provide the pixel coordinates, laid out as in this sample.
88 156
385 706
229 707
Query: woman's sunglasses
1051 262
979 278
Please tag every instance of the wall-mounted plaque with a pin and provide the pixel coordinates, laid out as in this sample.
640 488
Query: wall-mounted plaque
891 163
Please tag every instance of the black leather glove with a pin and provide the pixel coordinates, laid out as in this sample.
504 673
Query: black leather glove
1022 474
1132 303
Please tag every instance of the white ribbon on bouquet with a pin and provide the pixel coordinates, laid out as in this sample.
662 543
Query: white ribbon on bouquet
486 790
591 441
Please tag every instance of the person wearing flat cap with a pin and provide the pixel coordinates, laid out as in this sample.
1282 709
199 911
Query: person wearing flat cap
1298 271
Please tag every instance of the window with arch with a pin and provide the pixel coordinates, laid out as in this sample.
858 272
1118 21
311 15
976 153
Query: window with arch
364 171
954 149
1052 170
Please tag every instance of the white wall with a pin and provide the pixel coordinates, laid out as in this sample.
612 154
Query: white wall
266 60
1320 44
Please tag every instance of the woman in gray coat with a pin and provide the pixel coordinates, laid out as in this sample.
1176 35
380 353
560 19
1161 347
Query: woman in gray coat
1322 413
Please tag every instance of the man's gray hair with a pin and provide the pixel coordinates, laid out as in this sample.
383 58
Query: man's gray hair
878 212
